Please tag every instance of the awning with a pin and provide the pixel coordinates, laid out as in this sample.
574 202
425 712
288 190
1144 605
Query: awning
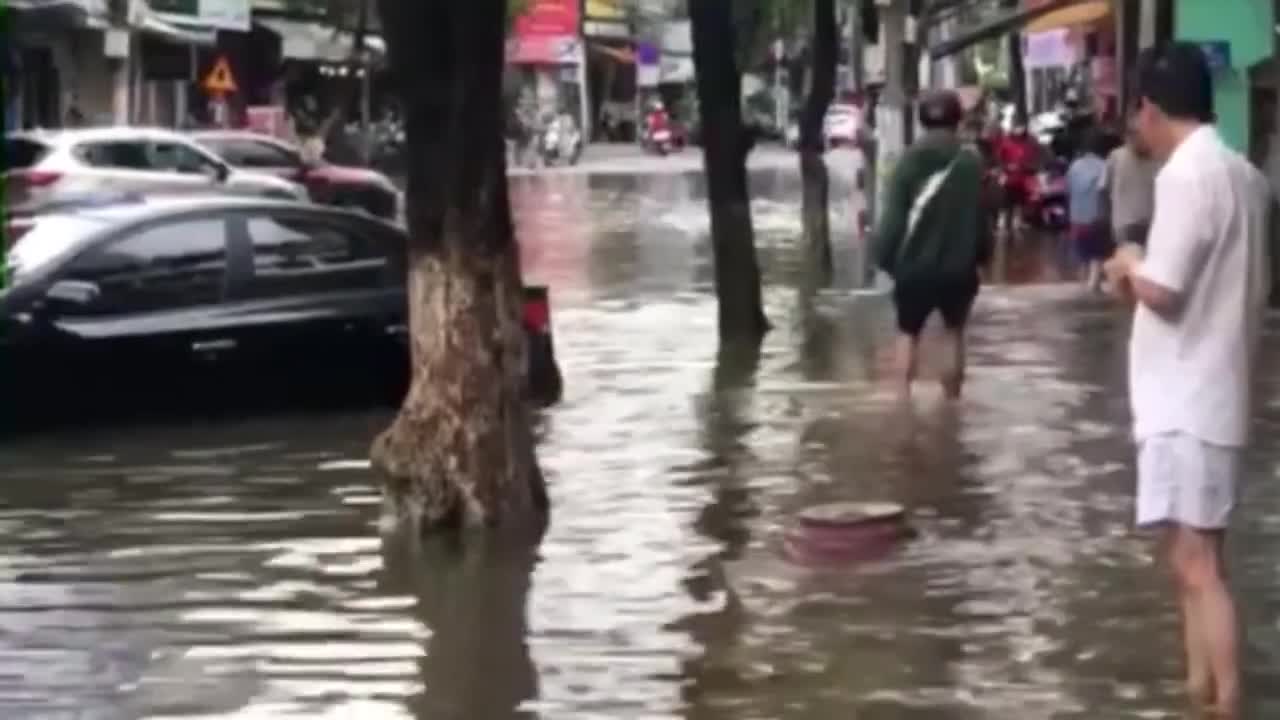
1082 14
151 24
1000 25
302 40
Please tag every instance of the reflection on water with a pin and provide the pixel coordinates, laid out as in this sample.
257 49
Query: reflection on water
233 570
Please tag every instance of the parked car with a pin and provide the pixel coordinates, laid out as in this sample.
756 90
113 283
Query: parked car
326 183
843 126
41 166
193 301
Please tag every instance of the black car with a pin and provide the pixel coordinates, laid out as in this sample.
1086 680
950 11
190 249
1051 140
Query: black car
190 300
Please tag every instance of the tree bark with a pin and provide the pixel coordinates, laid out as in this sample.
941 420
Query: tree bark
813 168
725 144
460 452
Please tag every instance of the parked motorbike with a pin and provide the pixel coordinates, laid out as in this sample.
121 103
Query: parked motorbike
560 142
660 141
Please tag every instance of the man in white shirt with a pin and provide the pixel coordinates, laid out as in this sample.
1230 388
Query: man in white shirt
1200 292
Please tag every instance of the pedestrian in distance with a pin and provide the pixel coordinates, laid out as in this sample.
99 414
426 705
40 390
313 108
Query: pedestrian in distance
934 235
1200 290
1089 240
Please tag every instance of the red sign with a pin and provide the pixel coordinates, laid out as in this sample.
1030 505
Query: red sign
548 18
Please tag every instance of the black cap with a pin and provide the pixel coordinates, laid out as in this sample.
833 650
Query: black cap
940 109
1176 78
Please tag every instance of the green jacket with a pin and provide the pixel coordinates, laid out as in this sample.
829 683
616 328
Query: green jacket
953 235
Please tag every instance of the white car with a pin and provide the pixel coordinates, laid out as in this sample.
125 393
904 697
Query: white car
44 165
842 127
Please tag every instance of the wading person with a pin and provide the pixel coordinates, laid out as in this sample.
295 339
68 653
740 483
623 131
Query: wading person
934 234
1200 291
1089 239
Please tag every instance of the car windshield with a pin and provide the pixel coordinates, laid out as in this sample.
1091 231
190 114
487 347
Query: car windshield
22 153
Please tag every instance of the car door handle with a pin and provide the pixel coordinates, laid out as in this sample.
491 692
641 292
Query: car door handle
213 345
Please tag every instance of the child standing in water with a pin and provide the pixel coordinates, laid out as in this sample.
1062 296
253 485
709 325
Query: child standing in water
1089 237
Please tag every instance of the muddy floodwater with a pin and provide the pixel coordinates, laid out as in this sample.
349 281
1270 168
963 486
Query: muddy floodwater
233 569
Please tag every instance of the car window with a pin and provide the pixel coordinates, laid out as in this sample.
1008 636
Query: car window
177 157
295 255
169 266
127 155
22 153
252 153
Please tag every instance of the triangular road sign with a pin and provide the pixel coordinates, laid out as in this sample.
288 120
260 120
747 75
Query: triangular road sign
220 81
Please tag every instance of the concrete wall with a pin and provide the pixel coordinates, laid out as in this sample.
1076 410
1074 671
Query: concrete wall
1249 25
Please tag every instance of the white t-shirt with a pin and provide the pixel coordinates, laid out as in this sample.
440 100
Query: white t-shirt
1193 374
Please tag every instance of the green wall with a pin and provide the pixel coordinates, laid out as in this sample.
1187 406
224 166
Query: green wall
1249 25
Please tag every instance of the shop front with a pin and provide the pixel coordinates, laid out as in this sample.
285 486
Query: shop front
1238 37
546 54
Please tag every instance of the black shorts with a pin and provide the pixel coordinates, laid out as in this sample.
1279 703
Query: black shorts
917 298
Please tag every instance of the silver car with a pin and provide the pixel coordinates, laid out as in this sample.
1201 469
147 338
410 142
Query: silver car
43 165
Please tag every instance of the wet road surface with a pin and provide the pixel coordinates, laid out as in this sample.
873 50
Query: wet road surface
233 570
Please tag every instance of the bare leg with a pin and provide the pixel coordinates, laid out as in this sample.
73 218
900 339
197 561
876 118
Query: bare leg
908 361
953 369
1209 613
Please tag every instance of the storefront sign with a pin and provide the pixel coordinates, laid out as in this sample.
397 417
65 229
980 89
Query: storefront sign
548 18
559 50
266 119
1217 53
220 14
1051 48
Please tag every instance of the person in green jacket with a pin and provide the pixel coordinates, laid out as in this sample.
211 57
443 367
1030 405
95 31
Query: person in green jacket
933 236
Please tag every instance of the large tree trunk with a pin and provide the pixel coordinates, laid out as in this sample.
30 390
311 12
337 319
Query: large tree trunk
813 168
460 452
725 145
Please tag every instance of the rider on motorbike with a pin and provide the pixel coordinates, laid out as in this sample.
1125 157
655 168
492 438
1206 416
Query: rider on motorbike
657 119
1018 155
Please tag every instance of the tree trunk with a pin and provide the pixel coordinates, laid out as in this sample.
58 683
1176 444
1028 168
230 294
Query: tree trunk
460 453
813 168
725 145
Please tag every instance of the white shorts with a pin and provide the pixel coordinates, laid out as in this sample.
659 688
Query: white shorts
1184 480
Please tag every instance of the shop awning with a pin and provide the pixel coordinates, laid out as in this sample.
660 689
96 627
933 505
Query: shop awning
313 41
151 24
1082 14
1000 25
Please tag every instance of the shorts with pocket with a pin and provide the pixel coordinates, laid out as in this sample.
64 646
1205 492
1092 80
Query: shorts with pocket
1186 481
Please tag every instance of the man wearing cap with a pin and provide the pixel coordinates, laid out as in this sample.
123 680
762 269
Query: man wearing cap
1200 291
934 234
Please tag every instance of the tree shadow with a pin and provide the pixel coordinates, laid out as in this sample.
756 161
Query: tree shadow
724 519
473 597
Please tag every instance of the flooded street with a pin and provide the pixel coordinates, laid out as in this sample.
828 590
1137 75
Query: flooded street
234 570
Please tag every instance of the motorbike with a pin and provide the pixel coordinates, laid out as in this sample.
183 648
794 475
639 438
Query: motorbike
1046 206
659 140
560 142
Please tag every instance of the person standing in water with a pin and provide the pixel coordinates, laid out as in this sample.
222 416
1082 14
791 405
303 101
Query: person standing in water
934 234
1089 239
1200 289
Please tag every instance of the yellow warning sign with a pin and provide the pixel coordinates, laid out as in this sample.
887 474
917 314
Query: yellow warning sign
220 81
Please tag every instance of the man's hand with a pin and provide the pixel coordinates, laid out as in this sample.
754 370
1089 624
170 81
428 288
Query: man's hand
1119 270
